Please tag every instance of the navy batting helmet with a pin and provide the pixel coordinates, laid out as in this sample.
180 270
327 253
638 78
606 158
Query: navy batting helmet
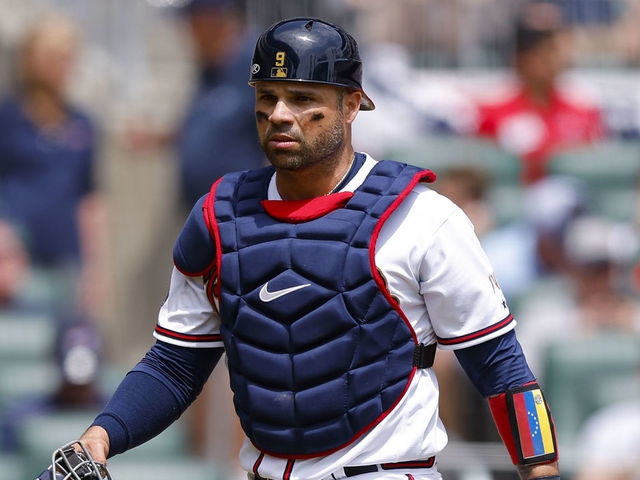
309 50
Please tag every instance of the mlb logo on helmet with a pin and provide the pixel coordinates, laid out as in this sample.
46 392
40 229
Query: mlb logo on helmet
279 72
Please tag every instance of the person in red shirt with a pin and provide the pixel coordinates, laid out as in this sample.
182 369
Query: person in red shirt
538 118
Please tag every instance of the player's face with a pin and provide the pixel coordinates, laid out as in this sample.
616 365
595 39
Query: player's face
300 124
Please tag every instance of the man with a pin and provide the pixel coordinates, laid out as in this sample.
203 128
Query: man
539 118
221 108
47 158
328 279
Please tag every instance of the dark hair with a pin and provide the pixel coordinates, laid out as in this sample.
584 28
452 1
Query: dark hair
537 22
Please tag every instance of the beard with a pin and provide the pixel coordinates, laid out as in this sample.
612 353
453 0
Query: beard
326 145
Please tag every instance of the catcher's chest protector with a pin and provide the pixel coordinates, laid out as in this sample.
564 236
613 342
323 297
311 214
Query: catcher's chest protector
318 352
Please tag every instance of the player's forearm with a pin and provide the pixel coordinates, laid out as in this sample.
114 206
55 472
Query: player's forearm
140 409
155 393
530 472
498 366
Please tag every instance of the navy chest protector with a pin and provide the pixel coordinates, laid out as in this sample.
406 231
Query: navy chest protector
318 351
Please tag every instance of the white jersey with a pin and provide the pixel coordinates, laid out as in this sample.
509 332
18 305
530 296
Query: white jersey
433 264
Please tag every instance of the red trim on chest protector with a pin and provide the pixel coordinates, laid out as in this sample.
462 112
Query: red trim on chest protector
426 176
298 211
208 210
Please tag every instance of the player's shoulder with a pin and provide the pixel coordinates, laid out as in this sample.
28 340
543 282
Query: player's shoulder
425 207
194 250
427 197
422 200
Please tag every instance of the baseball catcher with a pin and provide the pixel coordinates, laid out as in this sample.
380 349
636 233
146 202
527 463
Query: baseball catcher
328 279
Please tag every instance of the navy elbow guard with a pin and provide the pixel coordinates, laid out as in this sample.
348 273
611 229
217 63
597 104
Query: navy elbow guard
525 424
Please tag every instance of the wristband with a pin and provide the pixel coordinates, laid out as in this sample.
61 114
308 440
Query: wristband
525 425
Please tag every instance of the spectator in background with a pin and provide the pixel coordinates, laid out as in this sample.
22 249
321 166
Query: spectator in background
532 248
218 134
539 118
221 110
47 151
599 253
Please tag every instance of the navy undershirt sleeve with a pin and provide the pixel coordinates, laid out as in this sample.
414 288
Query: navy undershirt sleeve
155 393
496 365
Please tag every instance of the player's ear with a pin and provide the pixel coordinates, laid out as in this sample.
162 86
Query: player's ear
351 104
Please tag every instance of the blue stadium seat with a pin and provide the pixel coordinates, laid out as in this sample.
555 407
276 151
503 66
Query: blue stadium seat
612 163
583 375
41 434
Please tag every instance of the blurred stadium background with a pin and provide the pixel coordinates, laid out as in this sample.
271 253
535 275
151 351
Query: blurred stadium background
427 64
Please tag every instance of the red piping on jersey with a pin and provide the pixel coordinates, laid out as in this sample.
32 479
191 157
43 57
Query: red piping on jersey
212 226
423 176
480 333
257 464
190 338
288 469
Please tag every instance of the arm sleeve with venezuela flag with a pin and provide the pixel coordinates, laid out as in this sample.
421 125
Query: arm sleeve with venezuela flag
525 424
499 371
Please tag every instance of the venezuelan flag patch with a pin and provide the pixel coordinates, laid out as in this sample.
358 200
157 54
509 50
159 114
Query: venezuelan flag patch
531 424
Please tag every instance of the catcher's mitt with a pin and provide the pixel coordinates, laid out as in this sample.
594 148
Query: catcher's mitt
69 464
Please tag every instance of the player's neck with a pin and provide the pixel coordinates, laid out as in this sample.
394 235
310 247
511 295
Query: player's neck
317 180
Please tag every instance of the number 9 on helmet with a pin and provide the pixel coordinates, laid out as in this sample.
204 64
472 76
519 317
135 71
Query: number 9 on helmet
69 464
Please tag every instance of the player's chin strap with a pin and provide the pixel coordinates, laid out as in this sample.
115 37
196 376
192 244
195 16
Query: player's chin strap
525 425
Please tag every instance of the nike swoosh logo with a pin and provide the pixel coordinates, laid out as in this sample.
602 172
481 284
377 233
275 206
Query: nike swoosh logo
267 296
